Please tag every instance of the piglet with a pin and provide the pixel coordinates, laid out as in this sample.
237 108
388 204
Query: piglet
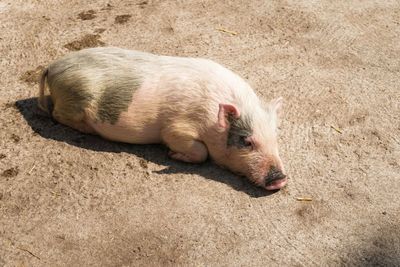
195 106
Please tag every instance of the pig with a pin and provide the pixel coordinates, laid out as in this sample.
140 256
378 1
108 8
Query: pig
195 106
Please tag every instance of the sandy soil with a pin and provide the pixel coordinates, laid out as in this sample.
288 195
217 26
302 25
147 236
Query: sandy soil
67 199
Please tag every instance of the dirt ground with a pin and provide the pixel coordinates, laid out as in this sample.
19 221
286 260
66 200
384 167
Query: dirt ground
68 199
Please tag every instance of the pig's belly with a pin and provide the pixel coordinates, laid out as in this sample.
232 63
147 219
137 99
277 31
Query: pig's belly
128 129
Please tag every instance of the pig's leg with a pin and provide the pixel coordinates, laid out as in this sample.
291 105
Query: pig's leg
192 152
185 148
76 122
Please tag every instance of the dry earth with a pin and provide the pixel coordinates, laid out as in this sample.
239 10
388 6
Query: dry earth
67 199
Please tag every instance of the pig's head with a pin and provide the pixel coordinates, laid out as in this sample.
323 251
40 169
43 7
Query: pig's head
249 143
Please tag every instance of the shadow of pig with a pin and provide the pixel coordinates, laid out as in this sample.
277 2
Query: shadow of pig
49 128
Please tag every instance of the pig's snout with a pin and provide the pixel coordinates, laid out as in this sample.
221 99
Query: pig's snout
275 179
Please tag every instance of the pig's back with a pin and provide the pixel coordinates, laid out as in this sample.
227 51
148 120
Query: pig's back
98 69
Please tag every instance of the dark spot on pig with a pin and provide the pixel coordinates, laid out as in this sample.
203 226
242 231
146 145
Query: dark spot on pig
88 40
121 19
100 30
116 99
114 95
15 138
32 76
2 156
12 172
78 96
87 15
239 129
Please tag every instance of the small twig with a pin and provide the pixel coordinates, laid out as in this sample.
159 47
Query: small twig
34 165
226 31
336 129
304 199
29 252
285 44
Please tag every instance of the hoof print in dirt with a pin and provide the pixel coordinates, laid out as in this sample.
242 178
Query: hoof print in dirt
108 7
9 105
121 19
2 156
143 4
87 15
143 163
88 40
15 138
32 76
12 172
169 29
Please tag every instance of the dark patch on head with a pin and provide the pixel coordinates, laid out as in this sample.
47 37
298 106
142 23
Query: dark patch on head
87 15
88 40
115 99
121 19
239 129
32 76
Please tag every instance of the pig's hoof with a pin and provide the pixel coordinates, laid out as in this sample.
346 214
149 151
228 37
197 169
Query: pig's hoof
183 157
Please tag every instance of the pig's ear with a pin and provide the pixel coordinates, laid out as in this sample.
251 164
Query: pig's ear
276 105
224 111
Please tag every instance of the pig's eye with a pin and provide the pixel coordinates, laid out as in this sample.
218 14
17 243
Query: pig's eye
245 142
